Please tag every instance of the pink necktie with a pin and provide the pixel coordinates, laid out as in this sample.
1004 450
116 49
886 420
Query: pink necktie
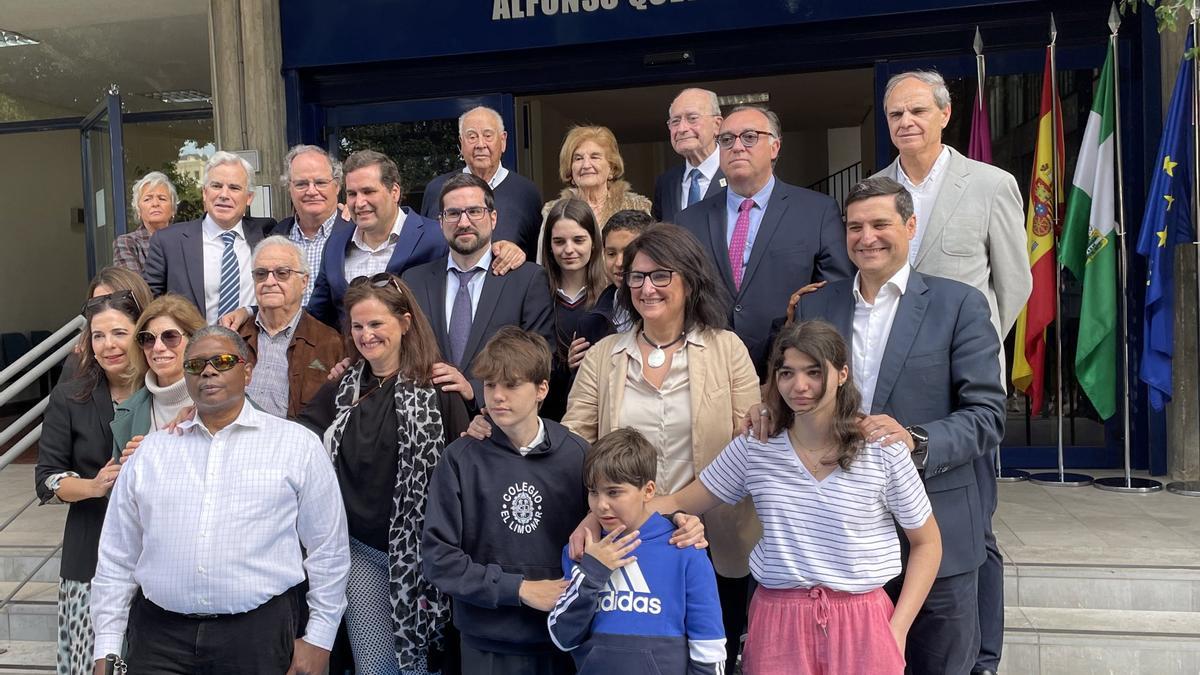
737 245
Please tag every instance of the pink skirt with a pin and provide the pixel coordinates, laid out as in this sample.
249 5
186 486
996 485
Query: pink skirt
818 631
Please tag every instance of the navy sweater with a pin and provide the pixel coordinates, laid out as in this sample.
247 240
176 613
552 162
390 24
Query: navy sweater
658 615
495 519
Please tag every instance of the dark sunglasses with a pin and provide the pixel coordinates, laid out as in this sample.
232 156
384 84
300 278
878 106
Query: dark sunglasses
117 299
221 362
381 280
170 338
281 273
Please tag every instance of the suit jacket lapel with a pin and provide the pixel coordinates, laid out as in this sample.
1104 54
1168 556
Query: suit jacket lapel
489 297
697 372
192 243
909 314
772 217
254 234
716 184
103 403
720 249
675 189
435 305
410 234
954 185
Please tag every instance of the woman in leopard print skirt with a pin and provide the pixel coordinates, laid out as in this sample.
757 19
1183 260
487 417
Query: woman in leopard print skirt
385 425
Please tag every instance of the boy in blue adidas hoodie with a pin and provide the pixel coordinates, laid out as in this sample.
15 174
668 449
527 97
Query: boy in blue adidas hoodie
644 614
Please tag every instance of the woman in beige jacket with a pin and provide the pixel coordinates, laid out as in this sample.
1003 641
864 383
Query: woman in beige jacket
681 380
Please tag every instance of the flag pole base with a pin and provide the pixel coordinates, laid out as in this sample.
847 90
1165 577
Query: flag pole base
1011 476
1054 478
1132 485
1186 488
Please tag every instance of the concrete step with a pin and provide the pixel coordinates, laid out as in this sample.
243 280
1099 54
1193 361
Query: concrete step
34 619
26 657
16 562
1100 642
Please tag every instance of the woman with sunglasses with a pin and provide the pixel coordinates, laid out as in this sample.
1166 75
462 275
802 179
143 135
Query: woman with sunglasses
385 425
572 252
162 332
75 458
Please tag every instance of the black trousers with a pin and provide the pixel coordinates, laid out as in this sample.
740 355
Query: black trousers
991 580
478 662
258 641
944 638
734 594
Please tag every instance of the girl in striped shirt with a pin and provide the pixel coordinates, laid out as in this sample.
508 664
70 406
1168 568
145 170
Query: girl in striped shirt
829 502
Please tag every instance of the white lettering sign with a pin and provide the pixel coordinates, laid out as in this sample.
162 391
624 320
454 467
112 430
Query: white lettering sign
507 10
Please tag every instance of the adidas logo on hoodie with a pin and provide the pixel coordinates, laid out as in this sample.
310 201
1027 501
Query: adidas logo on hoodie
627 591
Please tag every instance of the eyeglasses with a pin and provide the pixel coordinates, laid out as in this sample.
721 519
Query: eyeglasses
658 278
691 118
170 338
221 362
474 213
381 280
117 299
302 185
281 273
749 138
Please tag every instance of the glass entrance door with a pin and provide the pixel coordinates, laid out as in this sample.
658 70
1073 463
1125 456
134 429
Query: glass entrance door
421 136
103 154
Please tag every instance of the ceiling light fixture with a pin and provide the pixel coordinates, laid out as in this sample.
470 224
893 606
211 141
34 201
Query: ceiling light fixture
179 96
11 39
743 99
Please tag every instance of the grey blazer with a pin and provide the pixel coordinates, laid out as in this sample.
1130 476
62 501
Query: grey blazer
939 371
175 262
976 235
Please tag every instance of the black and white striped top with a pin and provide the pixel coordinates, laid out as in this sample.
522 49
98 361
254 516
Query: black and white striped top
837 533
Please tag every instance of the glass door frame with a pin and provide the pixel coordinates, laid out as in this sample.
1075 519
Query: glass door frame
105 118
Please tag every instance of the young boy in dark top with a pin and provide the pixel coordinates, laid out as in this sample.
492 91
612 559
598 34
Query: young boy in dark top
636 604
499 510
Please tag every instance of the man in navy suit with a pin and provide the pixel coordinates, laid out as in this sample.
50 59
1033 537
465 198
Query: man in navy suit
693 121
386 237
925 356
465 304
766 238
207 261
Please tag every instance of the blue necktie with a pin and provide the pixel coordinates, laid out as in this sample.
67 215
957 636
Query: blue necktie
461 315
230 276
694 188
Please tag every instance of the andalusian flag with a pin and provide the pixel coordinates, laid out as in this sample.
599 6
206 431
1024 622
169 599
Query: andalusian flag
1029 359
1089 249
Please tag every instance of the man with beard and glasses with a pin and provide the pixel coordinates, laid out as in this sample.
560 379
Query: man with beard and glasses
466 304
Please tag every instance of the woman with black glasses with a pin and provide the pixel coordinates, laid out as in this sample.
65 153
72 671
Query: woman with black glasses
75 456
163 332
385 425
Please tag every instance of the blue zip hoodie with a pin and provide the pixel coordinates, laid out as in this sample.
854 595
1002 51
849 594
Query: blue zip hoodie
659 614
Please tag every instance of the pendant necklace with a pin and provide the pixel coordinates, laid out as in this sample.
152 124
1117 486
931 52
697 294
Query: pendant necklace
657 356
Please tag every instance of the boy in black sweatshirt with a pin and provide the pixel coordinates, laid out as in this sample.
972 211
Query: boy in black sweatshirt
499 511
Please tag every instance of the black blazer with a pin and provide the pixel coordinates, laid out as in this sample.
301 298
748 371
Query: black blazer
801 240
175 262
940 370
597 324
668 192
76 437
519 298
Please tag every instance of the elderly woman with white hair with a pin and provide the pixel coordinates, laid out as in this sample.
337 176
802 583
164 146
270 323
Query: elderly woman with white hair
154 203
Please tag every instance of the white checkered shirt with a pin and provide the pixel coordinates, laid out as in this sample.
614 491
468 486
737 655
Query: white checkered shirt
208 525
313 248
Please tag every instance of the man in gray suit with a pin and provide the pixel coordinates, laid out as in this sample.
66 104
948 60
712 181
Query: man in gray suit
926 359
970 228
207 261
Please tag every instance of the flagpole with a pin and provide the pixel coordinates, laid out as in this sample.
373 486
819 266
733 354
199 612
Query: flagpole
1192 488
1061 478
1126 483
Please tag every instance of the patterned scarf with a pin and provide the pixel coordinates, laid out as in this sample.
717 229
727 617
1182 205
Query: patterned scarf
419 611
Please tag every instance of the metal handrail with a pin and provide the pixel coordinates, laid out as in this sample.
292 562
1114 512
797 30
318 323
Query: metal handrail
29 577
20 447
23 421
18 513
36 372
42 347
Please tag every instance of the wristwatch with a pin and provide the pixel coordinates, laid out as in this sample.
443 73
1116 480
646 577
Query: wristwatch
920 438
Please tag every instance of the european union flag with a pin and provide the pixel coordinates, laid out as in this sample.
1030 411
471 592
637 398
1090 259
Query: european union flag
1168 221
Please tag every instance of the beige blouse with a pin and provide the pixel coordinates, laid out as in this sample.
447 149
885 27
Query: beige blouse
663 415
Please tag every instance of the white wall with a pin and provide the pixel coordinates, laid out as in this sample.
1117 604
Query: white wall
845 148
43 257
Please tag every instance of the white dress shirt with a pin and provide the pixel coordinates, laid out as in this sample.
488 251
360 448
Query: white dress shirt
924 195
497 178
708 169
363 260
872 326
475 287
208 524
213 249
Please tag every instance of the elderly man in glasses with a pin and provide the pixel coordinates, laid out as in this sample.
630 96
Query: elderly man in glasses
693 121
766 238
291 350
211 528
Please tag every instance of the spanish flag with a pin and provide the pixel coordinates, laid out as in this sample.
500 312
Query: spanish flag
1041 221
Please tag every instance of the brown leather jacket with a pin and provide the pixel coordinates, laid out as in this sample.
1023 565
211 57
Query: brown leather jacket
315 348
